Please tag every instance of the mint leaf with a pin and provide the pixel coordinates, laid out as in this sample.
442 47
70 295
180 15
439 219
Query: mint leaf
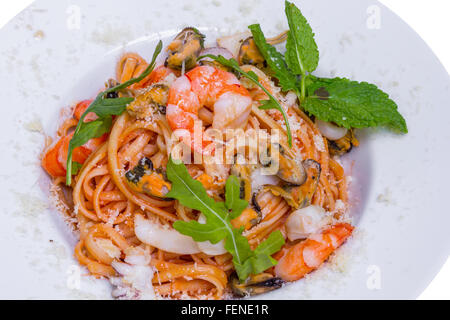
352 104
274 104
275 60
192 194
302 54
104 108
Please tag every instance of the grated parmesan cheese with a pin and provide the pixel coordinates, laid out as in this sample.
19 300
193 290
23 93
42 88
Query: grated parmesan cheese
318 142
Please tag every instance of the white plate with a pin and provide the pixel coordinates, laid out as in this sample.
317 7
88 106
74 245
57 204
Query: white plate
55 53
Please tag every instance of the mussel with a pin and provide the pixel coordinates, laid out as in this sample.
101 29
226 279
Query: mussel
111 84
343 145
289 170
185 49
299 196
255 284
250 216
144 178
250 54
153 101
243 172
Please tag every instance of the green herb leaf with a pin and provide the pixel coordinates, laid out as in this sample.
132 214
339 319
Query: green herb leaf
192 194
108 107
352 104
262 259
302 54
275 60
234 65
76 166
104 108
93 129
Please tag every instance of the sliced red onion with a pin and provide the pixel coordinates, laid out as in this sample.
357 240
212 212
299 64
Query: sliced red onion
331 131
216 51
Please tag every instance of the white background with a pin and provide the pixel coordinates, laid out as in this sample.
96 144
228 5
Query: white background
428 18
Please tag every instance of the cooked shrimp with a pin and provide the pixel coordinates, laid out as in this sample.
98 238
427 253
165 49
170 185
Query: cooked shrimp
209 87
308 255
80 108
54 160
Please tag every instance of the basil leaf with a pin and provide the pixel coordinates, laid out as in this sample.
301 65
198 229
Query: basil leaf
352 104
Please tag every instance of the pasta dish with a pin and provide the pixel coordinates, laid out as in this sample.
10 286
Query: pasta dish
212 172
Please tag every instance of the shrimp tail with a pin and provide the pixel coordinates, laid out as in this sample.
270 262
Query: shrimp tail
308 255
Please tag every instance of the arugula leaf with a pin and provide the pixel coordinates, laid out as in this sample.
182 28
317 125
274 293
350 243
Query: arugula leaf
352 104
262 259
108 107
192 194
273 102
104 108
76 166
275 60
93 129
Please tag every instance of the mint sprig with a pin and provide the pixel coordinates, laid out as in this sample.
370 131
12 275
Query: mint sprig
104 108
192 194
347 103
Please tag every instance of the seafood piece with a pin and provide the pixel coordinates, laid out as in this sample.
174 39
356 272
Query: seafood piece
343 145
233 43
243 172
330 131
54 160
247 219
206 246
153 101
111 84
300 259
305 221
289 170
80 108
185 49
255 284
144 179
163 237
209 87
300 196
135 280
250 54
